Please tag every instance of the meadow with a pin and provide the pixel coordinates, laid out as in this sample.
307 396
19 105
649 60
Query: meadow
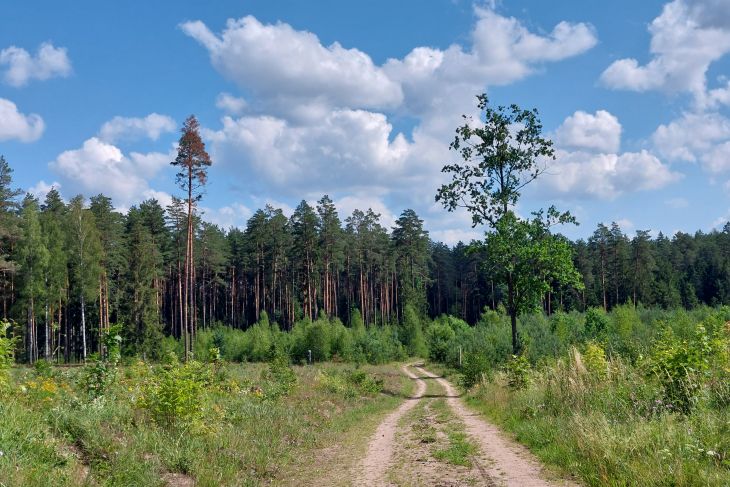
631 397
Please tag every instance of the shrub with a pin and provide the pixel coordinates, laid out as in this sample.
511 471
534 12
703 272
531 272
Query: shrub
96 377
174 395
595 361
474 369
413 337
679 365
280 375
596 322
518 372
439 336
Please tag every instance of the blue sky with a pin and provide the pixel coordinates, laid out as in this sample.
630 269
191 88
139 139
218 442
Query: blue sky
359 100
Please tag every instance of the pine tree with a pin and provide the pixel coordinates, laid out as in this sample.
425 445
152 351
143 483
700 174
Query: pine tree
192 162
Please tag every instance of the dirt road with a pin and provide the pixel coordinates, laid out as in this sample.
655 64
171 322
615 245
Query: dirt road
425 442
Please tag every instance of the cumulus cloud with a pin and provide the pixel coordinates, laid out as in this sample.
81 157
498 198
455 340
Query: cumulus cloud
100 167
319 118
16 125
132 128
600 131
686 38
696 137
605 176
275 61
347 148
48 62
231 104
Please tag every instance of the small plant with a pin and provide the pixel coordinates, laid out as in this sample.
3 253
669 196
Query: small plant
43 368
365 382
280 375
174 395
518 372
96 377
679 365
595 361
474 369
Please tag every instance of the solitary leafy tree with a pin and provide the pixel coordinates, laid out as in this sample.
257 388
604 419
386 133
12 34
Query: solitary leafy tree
501 154
192 162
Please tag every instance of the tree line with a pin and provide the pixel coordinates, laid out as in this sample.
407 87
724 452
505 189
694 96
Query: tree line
69 271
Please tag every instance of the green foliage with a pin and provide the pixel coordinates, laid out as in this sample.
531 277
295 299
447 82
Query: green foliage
413 336
281 377
680 366
596 322
595 361
350 384
518 372
97 377
174 396
439 335
7 354
474 369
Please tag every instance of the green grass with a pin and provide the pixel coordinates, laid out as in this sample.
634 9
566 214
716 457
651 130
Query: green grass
51 431
459 451
606 433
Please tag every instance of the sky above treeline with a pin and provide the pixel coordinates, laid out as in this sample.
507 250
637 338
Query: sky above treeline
359 100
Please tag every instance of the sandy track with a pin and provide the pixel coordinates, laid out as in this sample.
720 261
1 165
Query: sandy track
511 463
372 469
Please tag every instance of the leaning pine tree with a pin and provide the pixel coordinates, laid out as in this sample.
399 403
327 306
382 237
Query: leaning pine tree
192 162
500 154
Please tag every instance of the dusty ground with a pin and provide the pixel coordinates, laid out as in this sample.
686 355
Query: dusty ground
408 447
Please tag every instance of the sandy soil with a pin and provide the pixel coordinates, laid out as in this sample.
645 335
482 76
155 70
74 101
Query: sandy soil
511 463
372 470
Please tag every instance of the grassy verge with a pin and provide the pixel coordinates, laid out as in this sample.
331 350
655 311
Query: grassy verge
245 431
611 431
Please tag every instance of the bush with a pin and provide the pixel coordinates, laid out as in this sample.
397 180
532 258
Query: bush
440 337
474 369
174 395
679 365
595 361
96 377
413 337
280 375
518 372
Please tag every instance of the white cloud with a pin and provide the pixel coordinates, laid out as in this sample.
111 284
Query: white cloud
231 104
347 148
16 125
605 176
41 189
625 223
453 236
22 67
696 137
132 128
686 39
317 121
99 167
691 135
278 62
601 132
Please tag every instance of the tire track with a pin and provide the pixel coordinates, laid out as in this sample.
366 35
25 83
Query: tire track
372 469
511 463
